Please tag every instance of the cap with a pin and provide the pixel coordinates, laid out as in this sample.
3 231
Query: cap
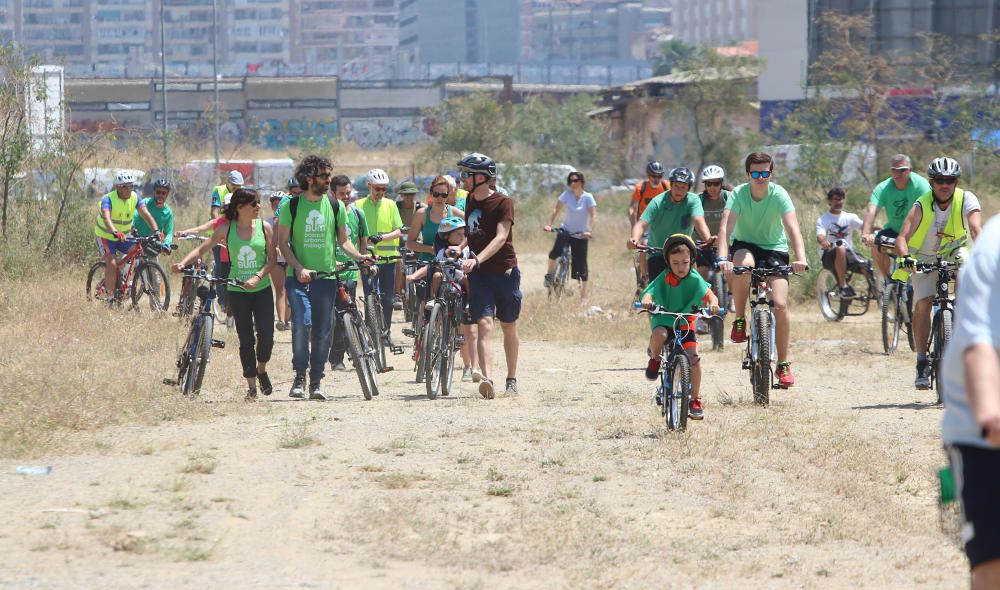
407 187
235 177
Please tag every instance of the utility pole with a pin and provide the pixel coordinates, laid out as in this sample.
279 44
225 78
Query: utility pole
215 80
163 83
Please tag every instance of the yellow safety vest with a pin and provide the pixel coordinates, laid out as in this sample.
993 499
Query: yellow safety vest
122 211
955 228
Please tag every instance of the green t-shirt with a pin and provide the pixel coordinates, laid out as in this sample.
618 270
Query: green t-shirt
314 237
356 229
897 202
666 218
248 256
760 222
713 210
164 220
678 296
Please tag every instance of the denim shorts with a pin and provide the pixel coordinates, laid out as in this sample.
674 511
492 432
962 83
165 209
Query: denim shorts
495 295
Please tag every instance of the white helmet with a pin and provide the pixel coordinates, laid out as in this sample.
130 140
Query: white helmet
712 172
377 176
124 178
944 168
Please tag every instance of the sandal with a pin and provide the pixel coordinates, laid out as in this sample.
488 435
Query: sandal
486 389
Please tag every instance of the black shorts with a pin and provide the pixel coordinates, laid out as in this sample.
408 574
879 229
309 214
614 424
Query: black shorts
855 262
655 265
886 233
762 258
578 247
977 485
706 257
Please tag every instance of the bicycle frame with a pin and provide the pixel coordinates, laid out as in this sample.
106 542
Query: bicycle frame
760 289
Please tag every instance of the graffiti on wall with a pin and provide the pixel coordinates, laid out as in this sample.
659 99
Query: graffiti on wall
277 134
376 133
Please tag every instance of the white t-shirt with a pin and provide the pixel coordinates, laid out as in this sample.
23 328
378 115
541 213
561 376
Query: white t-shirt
838 226
977 318
928 250
577 210
466 254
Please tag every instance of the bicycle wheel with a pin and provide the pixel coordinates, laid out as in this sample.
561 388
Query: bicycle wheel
760 371
199 363
942 334
448 356
420 361
373 319
680 389
908 320
184 361
891 319
95 283
828 296
717 326
433 350
356 349
561 276
151 282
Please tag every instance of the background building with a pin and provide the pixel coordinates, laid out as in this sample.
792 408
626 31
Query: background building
717 22
450 31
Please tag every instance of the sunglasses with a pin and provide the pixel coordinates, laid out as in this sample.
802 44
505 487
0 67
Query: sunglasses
440 195
944 181
901 169
756 174
468 174
379 189
713 183
253 203
574 180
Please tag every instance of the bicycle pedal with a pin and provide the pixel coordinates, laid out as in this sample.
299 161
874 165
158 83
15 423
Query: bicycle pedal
409 333
387 369
218 343
746 365
459 340
169 381
396 349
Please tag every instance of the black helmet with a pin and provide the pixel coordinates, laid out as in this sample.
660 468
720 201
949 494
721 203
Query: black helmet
675 239
944 168
654 167
161 183
682 174
292 183
479 163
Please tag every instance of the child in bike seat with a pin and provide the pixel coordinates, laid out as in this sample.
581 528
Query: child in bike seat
678 290
449 246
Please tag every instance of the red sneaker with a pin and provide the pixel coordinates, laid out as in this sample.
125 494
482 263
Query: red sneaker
653 369
785 378
739 332
695 412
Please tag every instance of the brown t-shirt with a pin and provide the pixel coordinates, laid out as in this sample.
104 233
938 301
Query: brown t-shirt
482 219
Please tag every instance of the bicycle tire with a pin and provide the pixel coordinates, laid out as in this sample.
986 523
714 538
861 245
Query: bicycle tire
357 353
680 387
448 361
891 320
151 282
432 351
942 336
561 276
184 362
204 350
760 370
188 299
420 362
717 327
95 281
830 303
373 319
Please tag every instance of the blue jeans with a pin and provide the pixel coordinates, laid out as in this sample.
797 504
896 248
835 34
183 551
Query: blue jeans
386 279
312 311
339 346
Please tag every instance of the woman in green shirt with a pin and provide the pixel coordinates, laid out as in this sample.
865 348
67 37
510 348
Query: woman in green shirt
251 243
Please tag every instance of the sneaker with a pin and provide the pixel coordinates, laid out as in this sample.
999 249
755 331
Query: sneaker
477 375
653 369
846 292
265 383
315 393
695 411
409 333
785 378
511 386
298 390
467 374
459 339
280 326
397 303
701 326
923 380
739 331
547 281
251 395
486 389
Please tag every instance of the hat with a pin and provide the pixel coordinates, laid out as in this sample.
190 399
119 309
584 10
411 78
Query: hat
235 177
407 187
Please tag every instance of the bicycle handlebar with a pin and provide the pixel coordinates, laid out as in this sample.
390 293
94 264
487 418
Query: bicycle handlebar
203 275
782 270
702 312
924 267
559 230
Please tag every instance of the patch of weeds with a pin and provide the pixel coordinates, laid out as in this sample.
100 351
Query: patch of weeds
177 486
502 490
371 468
136 542
221 499
571 493
396 445
322 456
598 478
494 474
41 547
552 462
823 573
465 459
193 553
296 436
123 503
186 524
397 480
729 400
203 464
47 526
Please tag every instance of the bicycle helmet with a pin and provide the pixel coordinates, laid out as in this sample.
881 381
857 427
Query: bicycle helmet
450 224
712 172
378 177
278 195
944 168
479 163
683 175
675 239
655 168
124 178
162 183
293 183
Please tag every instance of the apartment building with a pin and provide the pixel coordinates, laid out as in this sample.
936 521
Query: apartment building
594 31
359 36
716 22
451 31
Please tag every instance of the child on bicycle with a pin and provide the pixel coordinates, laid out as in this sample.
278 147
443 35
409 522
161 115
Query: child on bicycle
450 245
678 290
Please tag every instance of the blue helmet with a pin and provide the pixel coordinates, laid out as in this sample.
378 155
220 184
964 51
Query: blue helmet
450 224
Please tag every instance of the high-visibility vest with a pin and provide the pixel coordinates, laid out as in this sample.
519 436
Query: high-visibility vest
955 228
122 211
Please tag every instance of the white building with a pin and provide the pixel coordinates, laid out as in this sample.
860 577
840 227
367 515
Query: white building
717 22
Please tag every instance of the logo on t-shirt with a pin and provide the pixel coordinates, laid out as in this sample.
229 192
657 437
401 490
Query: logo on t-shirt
315 222
475 221
840 231
247 258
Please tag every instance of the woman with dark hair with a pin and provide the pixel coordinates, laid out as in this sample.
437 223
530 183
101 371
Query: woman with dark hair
581 215
251 241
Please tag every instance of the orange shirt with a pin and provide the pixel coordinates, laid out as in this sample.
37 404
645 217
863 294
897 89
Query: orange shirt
645 191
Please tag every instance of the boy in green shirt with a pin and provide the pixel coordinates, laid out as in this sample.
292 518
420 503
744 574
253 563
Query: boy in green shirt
678 290
160 211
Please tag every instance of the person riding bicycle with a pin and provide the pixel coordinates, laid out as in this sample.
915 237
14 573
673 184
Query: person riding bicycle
679 290
581 215
676 211
251 239
450 246
760 222
940 223
836 248
713 202
896 196
642 194
357 231
114 224
159 210
384 227
292 187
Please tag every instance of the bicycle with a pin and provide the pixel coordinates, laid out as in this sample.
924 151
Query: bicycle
443 334
187 300
942 315
139 275
563 265
418 323
673 395
641 277
192 358
359 345
377 329
897 304
860 279
720 286
761 350
411 297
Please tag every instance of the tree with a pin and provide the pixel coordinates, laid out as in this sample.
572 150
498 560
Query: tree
673 53
15 141
561 132
477 122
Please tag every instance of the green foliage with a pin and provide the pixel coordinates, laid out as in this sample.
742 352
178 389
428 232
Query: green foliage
673 54
561 132
477 122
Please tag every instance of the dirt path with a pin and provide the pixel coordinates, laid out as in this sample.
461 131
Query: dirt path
573 483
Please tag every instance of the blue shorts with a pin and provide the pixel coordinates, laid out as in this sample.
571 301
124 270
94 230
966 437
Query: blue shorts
495 295
110 247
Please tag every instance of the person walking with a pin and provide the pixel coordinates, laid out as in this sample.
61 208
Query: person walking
357 231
